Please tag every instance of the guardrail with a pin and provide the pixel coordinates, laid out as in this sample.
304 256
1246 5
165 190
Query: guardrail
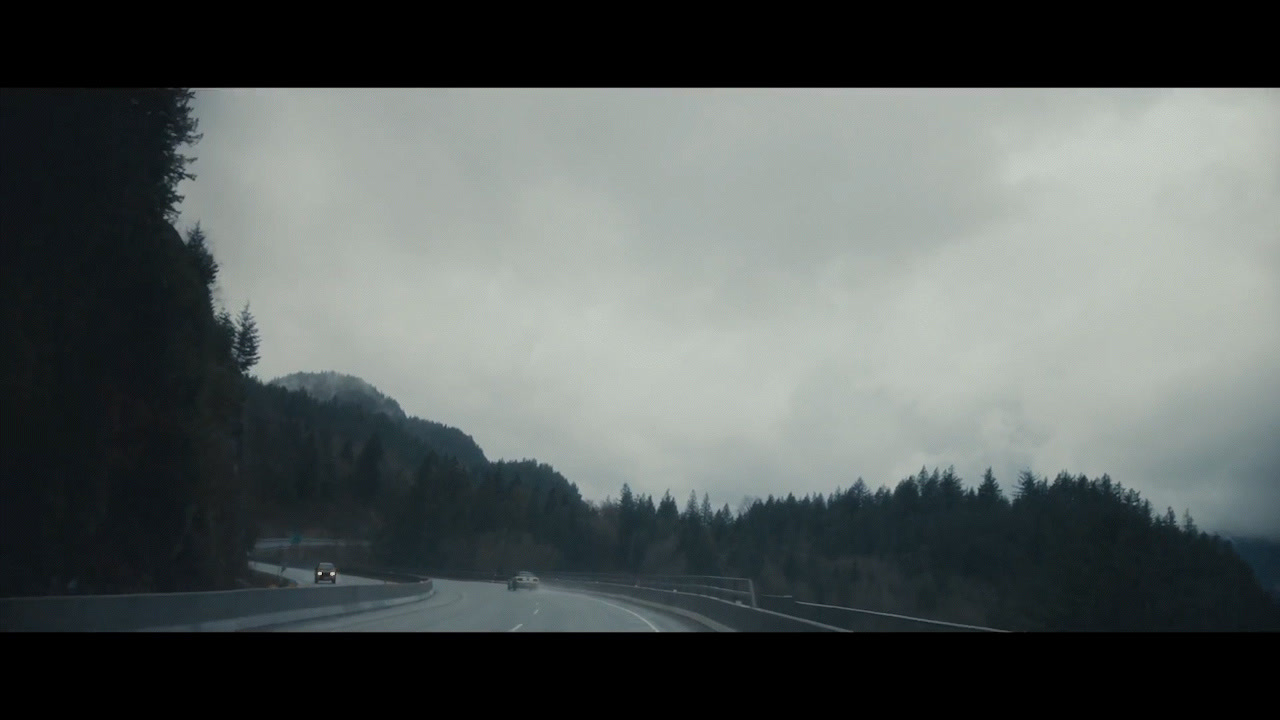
858 620
741 590
715 613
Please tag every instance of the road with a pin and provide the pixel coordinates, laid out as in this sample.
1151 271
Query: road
460 606
306 577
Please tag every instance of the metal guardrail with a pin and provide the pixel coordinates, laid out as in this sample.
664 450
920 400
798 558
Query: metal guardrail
734 589
742 590
936 624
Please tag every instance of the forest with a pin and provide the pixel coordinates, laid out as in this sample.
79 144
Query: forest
124 379
141 455
1067 553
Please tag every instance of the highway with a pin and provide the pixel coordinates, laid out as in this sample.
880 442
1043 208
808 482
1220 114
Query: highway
460 606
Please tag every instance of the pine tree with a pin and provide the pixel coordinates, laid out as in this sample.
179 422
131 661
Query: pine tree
951 487
668 512
1189 525
692 514
205 263
247 340
989 491
1029 486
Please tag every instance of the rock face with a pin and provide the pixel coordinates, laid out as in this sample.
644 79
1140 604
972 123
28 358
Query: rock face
330 386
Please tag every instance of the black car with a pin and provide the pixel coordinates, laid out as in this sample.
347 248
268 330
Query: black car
326 572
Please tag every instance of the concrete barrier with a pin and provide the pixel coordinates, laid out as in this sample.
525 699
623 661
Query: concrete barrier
732 615
222 611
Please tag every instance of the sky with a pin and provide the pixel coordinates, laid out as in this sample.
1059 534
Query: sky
749 292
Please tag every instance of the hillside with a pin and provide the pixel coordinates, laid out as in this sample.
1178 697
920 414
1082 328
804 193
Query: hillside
320 460
333 391
330 386
1264 557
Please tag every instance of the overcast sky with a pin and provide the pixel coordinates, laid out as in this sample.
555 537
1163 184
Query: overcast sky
748 292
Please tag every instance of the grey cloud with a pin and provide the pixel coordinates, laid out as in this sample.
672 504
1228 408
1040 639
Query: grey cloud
754 292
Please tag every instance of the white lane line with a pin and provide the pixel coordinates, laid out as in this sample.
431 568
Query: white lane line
646 622
535 610
516 627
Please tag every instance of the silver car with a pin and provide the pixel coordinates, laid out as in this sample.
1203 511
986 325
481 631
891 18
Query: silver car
523 580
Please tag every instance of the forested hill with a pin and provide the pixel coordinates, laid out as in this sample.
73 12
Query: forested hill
348 389
338 390
1264 556
320 455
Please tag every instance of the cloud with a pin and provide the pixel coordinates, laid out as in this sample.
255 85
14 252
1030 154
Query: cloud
753 292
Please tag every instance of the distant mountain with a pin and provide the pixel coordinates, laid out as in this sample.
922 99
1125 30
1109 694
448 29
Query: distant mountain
1264 557
338 389
332 386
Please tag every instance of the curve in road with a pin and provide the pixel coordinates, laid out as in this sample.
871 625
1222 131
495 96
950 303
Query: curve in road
460 606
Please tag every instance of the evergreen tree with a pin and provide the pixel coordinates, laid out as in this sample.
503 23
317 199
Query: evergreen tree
202 256
668 512
989 490
247 340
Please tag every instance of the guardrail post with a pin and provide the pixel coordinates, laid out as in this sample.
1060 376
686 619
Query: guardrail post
751 587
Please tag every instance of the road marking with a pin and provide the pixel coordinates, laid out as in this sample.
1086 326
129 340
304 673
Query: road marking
516 627
535 610
646 622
